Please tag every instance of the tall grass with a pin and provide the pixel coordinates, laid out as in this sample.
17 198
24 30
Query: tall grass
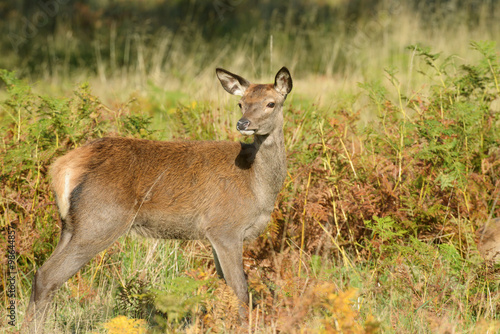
125 45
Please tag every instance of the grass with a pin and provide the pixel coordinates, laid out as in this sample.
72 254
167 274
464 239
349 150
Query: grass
392 159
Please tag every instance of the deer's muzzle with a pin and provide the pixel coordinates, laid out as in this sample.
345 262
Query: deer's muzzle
242 127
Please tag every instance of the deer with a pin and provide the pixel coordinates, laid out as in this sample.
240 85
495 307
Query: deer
220 191
488 241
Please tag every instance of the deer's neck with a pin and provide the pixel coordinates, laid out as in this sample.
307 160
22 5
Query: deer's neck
270 164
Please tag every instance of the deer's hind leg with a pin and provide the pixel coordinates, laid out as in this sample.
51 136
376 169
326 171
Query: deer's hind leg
87 233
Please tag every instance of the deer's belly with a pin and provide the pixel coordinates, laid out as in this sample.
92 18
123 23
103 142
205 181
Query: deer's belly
185 227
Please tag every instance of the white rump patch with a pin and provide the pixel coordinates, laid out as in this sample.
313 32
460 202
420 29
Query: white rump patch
63 201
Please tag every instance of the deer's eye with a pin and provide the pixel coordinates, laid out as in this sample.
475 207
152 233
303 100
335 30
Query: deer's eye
271 105
239 105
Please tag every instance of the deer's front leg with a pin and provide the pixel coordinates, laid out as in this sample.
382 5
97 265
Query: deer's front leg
228 248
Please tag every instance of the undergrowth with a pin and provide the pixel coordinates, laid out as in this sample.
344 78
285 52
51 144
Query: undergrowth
374 230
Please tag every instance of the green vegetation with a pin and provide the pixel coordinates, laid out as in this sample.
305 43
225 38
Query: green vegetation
393 139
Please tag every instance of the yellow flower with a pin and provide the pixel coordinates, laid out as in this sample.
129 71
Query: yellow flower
123 325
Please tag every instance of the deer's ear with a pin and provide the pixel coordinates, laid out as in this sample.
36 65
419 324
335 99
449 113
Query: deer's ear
232 83
283 82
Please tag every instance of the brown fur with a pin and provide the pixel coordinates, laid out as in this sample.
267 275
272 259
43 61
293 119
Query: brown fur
488 240
220 191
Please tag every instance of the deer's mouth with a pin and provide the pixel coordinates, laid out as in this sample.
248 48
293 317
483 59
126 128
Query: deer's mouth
247 132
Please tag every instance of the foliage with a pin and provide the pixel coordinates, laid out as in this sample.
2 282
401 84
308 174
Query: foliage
427 159
373 230
122 324
166 40
338 311
134 298
167 308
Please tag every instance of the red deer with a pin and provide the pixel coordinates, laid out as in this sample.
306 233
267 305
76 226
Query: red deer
219 191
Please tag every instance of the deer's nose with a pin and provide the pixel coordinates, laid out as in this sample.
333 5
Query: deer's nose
242 124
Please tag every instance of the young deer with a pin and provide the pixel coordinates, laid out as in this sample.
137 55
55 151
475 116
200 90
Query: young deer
222 191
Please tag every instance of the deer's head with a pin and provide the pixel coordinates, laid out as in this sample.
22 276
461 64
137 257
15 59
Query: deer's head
261 104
